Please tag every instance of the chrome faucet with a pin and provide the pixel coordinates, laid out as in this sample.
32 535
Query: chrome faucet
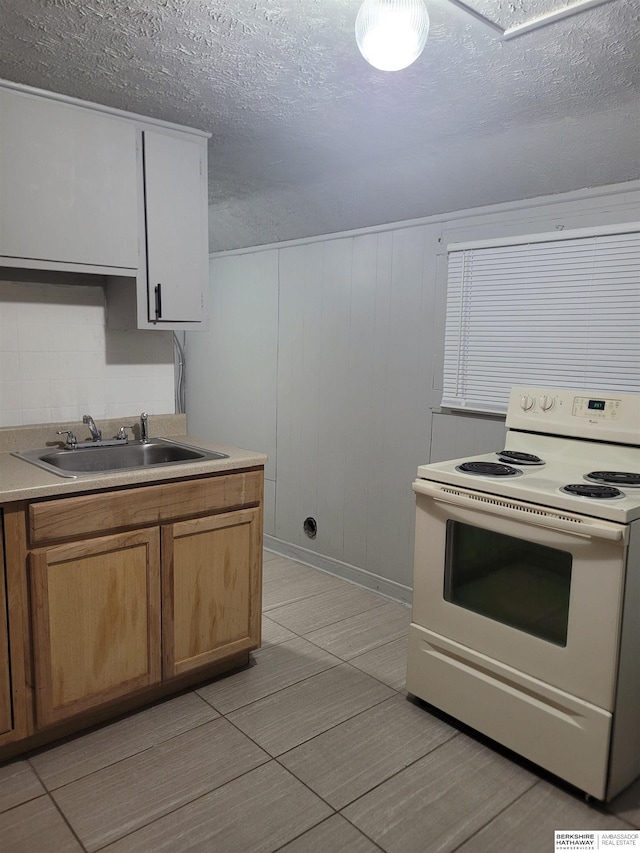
144 429
96 434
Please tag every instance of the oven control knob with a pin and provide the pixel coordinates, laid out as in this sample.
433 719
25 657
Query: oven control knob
526 402
546 403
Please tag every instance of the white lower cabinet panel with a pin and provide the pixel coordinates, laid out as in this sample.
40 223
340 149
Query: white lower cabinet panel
565 735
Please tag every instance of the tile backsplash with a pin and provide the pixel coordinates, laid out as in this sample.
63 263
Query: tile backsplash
58 359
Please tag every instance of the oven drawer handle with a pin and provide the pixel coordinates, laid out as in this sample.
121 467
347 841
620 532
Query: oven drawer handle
586 529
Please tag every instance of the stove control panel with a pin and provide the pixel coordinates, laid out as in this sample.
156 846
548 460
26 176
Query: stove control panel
596 407
602 416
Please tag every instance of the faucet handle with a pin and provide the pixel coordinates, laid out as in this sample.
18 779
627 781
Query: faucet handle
122 432
71 439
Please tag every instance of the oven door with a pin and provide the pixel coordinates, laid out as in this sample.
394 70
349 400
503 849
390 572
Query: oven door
535 589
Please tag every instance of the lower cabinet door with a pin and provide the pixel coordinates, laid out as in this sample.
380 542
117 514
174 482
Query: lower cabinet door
6 716
96 622
212 589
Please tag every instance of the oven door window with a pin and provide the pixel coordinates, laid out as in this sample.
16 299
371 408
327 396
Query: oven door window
519 583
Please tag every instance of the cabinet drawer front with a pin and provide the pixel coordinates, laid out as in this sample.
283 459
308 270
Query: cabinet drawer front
90 515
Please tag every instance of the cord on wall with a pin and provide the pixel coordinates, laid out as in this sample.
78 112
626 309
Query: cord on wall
180 364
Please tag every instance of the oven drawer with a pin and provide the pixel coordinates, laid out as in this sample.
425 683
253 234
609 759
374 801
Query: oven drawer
563 734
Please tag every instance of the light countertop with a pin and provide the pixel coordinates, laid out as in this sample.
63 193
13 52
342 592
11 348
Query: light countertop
21 480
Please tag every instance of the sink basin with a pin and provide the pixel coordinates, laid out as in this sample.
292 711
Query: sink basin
121 457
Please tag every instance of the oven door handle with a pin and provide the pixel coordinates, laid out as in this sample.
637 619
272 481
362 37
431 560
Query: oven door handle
586 528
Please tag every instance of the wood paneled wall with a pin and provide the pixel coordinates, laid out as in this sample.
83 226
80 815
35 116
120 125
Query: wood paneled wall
327 355
354 376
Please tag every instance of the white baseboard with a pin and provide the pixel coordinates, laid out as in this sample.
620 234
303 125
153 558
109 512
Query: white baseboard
361 577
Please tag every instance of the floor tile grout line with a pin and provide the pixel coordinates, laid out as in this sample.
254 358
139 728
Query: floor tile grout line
177 808
301 681
301 834
277 758
303 598
269 615
51 790
331 728
278 690
358 829
384 600
66 820
398 772
497 815
43 793
401 690
344 660
318 573
103 726
349 659
49 795
348 581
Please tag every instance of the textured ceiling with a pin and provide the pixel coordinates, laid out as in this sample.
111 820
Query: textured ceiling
308 139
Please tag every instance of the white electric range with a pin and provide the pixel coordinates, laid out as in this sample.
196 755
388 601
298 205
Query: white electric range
526 607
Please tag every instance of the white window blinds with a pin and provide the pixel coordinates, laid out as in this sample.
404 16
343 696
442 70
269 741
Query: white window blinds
560 310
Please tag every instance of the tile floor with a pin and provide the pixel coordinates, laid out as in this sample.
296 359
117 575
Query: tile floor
313 748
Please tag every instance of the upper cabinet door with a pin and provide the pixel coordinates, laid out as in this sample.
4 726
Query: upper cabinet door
176 221
68 184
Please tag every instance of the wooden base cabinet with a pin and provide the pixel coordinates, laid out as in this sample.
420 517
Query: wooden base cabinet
134 593
211 581
15 711
96 622
6 716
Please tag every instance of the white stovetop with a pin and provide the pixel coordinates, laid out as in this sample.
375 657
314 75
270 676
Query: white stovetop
566 461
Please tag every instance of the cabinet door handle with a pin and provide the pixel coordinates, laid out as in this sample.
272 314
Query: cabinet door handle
158 295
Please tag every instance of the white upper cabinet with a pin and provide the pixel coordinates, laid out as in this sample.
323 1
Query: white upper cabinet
68 185
89 189
176 224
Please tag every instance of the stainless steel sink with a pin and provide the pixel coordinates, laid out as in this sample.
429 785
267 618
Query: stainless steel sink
123 457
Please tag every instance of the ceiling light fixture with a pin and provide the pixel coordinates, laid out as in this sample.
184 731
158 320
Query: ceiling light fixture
391 34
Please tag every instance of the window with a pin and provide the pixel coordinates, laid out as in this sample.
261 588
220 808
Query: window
559 310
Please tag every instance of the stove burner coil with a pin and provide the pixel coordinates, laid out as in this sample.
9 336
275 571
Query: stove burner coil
617 478
488 469
584 490
519 458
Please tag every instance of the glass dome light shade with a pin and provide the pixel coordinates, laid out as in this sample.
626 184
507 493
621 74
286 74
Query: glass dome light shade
391 34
